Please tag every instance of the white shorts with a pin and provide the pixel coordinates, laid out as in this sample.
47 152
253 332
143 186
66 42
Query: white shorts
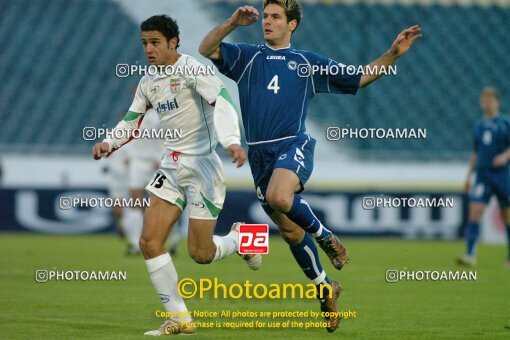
140 172
193 181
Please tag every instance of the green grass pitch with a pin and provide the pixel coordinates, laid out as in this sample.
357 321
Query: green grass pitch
125 309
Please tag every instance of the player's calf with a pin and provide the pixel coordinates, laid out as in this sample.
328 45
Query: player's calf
158 220
200 255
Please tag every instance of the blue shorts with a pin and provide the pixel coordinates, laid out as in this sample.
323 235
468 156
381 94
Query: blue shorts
294 154
491 182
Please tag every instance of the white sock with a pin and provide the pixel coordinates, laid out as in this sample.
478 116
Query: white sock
132 220
319 232
225 245
165 280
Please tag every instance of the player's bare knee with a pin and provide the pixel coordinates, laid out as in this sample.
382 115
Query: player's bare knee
200 256
474 216
279 201
150 248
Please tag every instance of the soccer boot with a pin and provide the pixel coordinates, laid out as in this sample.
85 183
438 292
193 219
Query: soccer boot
335 250
466 260
173 327
329 304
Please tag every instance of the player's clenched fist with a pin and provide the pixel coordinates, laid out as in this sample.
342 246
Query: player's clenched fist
100 150
237 153
244 16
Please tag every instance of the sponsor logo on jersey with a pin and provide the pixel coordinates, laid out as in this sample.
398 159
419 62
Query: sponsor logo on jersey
167 106
275 57
155 89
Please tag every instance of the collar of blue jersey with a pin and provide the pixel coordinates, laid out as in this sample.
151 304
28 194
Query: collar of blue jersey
277 49
485 119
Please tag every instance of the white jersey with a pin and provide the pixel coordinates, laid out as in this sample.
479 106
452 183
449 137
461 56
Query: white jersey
189 108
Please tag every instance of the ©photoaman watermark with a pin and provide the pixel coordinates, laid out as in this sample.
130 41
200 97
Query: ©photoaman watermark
307 70
372 202
336 133
394 275
92 133
189 288
67 203
127 70
44 275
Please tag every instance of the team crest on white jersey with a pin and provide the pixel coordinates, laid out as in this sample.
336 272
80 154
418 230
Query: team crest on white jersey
175 85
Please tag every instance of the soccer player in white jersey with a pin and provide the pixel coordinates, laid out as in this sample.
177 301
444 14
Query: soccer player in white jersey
190 172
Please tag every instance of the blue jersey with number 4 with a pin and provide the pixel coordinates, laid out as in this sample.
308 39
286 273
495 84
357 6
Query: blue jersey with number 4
275 86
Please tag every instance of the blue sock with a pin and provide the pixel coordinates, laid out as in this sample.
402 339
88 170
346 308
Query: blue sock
472 233
301 214
307 257
508 240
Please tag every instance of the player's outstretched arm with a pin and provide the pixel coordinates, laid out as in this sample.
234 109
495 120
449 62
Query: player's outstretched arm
227 127
399 47
121 134
243 16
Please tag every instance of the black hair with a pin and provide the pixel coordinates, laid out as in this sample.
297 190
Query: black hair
163 24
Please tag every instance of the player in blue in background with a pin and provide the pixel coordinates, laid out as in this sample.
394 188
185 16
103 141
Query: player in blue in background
276 84
490 159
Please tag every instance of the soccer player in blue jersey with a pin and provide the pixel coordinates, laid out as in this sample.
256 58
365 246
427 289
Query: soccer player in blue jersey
275 87
490 161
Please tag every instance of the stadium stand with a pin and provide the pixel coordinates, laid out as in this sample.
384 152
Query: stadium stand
57 65
58 57
463 49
